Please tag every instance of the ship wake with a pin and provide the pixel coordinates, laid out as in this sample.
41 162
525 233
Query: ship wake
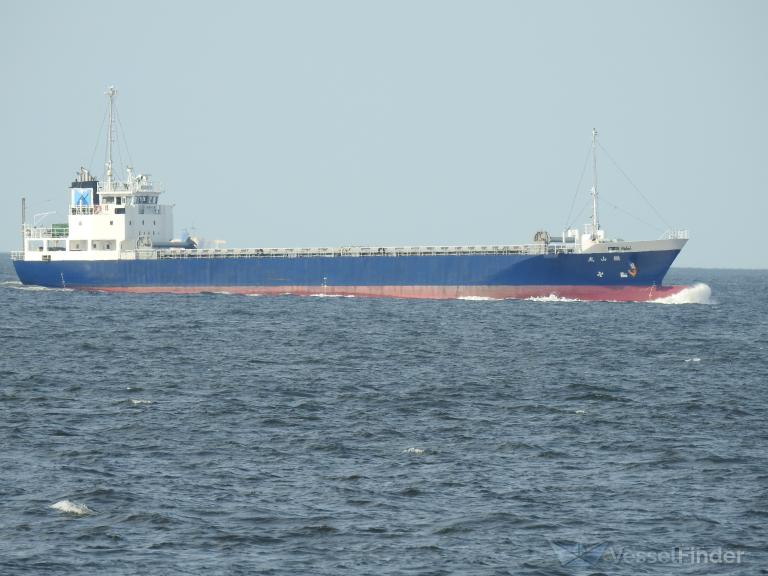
479 298
552 298
698 293
32 288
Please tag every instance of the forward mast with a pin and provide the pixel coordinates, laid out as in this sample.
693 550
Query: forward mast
595 221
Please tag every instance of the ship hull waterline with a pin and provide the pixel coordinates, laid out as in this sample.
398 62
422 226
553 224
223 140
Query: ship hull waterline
586 293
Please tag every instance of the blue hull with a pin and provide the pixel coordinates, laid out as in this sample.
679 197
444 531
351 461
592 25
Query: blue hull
489 270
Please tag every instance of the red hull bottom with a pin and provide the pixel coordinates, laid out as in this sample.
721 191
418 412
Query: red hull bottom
594 293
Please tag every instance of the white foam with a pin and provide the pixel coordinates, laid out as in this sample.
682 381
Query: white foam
138 402
20 286
698 293
551 298
478 298
694 359
332 295
69 507
415 451
581 411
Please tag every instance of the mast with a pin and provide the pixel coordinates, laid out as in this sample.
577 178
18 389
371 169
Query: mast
24 223
595 221
111 93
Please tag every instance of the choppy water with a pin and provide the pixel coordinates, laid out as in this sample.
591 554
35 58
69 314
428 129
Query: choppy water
216 434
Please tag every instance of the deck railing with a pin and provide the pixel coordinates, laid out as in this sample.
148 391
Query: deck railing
357 251
83 210
56 231
675 235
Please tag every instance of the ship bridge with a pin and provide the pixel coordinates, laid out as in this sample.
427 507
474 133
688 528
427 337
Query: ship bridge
104 217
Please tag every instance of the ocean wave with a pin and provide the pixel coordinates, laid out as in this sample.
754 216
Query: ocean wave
415 451
140 402
698 293
70 507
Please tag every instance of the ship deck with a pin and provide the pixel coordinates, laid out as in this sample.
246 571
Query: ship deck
356 251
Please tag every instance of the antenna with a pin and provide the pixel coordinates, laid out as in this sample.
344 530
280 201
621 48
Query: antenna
595 221
111 93
38 218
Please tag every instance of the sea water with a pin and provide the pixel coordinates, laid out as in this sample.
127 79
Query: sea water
222 434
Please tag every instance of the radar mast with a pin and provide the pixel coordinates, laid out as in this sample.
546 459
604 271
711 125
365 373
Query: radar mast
111 93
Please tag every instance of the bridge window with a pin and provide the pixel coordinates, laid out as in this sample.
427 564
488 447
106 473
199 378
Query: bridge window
103 244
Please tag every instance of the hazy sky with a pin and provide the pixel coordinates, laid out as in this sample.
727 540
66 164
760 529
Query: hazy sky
289 123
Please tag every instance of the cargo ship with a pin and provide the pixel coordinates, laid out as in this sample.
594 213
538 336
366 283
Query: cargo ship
119 237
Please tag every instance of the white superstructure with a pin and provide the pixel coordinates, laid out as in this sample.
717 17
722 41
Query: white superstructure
104 218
